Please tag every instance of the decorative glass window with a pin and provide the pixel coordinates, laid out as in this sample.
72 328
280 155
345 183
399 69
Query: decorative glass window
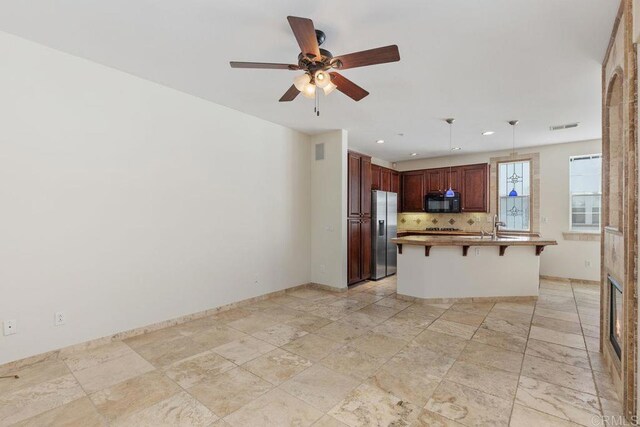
514 210
585 187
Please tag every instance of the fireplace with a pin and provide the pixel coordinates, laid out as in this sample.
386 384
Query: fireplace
615 314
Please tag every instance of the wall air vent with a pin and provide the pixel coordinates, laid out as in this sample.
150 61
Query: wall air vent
565 126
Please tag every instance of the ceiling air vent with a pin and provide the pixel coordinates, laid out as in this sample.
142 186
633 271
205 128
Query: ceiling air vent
565 126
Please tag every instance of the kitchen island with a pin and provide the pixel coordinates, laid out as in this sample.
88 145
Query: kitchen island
469 267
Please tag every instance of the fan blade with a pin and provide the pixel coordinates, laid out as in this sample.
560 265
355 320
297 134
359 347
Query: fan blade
348 87
265 65
305 34
290 94
379 55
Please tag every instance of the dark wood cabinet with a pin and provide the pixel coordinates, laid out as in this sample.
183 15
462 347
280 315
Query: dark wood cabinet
354 184
471 181
362 176
359 185
376 177
385 179
413 191
354 249
365 186
365 236
381 179
475 184
434 180
359 249
395 183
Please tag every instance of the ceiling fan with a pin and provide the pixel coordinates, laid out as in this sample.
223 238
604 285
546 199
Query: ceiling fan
318 64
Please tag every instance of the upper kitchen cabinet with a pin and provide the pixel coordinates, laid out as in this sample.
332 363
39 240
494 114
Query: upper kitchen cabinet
471 181
382 179
454 181
433 180
376 182
413 191
395 182
474 193
385 179
359 185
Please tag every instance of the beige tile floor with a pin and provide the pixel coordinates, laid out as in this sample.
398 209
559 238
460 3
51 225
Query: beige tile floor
359 358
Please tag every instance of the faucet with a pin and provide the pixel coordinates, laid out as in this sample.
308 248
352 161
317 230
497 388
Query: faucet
496 225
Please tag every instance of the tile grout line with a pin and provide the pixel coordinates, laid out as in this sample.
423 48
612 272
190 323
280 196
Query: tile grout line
593 377
524 354
87 395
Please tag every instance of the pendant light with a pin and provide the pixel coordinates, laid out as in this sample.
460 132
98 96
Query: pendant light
513 123
450 192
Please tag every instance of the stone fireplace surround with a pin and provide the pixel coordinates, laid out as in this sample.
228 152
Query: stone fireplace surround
620 202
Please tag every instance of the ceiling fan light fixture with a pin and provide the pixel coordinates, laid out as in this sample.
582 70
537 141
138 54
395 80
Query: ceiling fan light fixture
309 90
329 88
301 81
322 79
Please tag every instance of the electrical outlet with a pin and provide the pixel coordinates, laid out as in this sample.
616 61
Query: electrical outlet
323 268
587 263
544 219
59 318
10 326
477 251
255 279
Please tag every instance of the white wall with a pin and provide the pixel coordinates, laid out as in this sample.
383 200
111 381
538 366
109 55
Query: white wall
329 210
381 162
568 258
125 203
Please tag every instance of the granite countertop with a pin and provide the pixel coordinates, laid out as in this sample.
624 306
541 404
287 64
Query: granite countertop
473 241
443 233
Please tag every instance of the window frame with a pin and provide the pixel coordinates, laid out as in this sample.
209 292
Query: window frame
531 193
571 194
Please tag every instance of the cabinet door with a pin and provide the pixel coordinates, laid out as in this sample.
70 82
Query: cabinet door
375 177
385 179
475 188
353 187
455 179
413 191
395 182
434 180
354 250
365 243
365 186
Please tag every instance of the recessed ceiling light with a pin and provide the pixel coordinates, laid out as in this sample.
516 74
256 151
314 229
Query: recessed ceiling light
456 149
487 133
380 141
413 154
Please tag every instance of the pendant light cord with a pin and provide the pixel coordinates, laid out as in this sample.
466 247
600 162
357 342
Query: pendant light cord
450 139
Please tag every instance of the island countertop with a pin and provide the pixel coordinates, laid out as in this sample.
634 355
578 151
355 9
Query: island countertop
473 241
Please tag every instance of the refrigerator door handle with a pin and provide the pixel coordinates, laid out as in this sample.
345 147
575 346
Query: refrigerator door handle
381 230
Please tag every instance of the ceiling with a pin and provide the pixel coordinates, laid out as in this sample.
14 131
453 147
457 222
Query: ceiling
482 62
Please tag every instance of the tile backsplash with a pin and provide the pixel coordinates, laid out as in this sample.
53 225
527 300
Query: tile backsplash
463 221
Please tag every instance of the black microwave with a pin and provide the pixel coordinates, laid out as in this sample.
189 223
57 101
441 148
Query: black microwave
439 203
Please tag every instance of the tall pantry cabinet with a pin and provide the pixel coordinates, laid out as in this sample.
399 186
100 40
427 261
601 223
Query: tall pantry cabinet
358 217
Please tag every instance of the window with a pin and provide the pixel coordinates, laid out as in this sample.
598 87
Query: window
515 211
585 187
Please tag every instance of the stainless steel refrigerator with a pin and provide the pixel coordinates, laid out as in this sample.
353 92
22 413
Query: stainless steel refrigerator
384 224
